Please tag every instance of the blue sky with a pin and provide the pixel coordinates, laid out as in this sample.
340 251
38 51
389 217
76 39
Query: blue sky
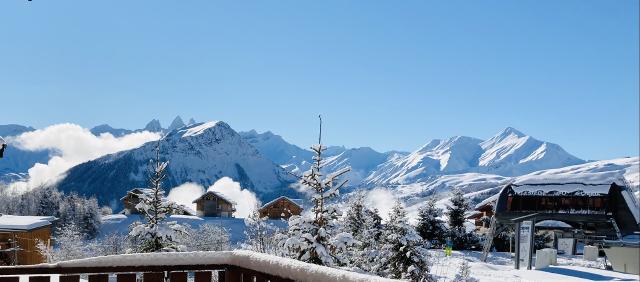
385 74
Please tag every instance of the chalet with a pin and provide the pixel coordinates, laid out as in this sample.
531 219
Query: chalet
19 236
482 213
212 204
606 210
281 208
133 198
608 213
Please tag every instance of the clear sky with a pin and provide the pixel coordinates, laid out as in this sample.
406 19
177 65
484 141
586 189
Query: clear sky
385 74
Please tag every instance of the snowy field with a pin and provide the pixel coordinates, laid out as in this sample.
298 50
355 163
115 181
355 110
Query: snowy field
499 268
119 223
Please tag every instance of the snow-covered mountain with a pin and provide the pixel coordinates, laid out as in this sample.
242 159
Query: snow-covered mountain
105 128
153 126
274 147
200 153
363 161
478 187
15 168
14 129
509 153
176 123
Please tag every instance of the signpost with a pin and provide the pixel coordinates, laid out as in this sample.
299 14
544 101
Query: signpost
524 242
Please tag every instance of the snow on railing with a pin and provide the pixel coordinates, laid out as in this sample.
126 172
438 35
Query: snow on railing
234 262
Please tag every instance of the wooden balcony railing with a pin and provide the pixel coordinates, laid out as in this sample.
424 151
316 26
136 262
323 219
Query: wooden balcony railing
230 266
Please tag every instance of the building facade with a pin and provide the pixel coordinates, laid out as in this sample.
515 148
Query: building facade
281 208
212 204
19 236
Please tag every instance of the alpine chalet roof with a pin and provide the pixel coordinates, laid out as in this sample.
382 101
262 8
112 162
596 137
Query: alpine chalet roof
296 202
23 223
562 188
215 194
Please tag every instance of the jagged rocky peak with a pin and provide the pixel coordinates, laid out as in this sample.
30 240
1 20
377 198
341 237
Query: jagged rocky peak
191 121
176 123
153 126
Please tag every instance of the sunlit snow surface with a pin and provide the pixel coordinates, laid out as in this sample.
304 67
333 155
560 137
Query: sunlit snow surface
499 268
119 223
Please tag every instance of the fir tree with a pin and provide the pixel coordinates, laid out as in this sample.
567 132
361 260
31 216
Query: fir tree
430 227
316 237
156 234
404 253
456 211
370 243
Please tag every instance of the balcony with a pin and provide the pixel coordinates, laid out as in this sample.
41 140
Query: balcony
229 266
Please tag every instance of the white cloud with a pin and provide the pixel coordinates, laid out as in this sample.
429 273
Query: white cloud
71 145
382 199
245 200
185 194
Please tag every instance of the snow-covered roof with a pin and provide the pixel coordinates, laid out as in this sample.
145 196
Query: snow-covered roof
18 222
553 223
562 188
277 266
472 214
215 194
297 202
137 191
490 200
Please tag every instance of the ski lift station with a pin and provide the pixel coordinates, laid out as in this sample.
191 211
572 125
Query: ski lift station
603 215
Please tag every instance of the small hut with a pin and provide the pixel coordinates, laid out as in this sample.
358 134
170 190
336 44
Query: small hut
482 213
132 199
212 204
281 208
19 236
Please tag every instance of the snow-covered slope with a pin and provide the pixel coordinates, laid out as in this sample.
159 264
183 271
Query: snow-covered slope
363 161
200 153
478 187
509 153
274 147
512 153
457 154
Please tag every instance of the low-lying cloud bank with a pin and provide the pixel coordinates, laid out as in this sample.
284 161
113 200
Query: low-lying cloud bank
71 145
245 200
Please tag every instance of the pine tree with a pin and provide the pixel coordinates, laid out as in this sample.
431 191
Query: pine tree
316 237
430 227
156 234
367 255
456 211
404 253
354 217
